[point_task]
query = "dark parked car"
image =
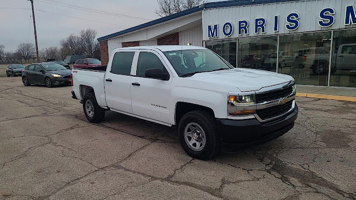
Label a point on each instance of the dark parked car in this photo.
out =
(87, 62)
(48, 74)
(62, 63)
(71, 59)
(14, 70)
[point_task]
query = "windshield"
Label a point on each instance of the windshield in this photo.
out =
(60, 62)
(53, 67)
(94, 61)
(191, 61)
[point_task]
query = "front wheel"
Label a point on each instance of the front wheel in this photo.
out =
(93, 112)
(197, 135)
(48, 82)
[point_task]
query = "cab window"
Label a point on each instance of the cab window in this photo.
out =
(146, 61)
(122, 63)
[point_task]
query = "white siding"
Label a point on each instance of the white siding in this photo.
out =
(113, 44)
(193, 36)
(148, 43)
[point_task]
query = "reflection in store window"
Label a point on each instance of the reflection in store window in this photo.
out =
(258, 53)
(344, 59)
(226, 49)
(305, 57)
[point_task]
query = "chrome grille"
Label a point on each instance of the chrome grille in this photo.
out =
(274, 94)
(274, 111)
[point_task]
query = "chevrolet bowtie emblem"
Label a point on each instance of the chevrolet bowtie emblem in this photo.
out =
(282, 100)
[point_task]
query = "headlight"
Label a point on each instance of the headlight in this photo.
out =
(56, 75)
(294, 87)
(241, 104)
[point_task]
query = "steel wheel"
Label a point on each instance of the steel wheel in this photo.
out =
(194, 136)
(89, 108)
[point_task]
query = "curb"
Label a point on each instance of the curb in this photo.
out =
(324, 96)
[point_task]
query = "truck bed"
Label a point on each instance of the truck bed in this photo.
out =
(90, 77)
(100, 68)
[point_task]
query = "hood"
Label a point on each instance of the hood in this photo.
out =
(245, 80)
(18, 70)
(61, 72)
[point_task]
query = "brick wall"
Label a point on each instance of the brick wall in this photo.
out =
(104, 52)
(131, 44)
(172, 39)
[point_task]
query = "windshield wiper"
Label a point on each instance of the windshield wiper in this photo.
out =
(190, 74)
(219, 69)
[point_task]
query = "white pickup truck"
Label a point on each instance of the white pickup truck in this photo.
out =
(212, 104)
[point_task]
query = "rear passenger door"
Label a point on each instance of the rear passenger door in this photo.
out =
(38, 75)
(118, 82)
(150, 97)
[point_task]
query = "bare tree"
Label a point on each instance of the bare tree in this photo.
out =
(26, 51)
(84, 44)
(50, 53)
(72, 45)
(88, 41)
(169, 7)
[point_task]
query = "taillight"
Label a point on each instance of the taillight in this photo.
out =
(71, 79)
(304, 58)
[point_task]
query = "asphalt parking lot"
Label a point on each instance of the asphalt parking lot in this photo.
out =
(48, 150)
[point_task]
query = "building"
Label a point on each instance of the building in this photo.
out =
(312, 40)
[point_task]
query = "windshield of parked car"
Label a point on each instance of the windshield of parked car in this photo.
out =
(16, 66)
(191, 61)
(60, 62)
(53, 67)
(94, 61)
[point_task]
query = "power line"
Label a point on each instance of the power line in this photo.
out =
(91, 10)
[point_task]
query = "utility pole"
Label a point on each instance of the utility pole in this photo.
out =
(34, 27)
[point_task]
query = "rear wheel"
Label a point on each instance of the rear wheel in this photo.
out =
(25, 81)
(93, 112)
(197, 135)
(48, 82)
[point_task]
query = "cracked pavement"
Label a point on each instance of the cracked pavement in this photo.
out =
(48, 150)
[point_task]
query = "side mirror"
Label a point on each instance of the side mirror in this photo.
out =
(157, 74)
(42, 71)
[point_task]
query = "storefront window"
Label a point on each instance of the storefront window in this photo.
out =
(226, 49)
(258, 53)
(305, 57)
(343, 69)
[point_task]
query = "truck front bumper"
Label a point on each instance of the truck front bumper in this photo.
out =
(239, 133)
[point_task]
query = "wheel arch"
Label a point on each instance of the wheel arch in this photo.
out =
(183, 107)
(84, 90)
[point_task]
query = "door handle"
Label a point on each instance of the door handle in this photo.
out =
(108, 80)
(136, 84)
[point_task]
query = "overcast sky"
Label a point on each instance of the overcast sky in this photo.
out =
(57, 19)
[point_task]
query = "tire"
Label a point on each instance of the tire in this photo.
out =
(319, 69)
(197, 135)
(7, 74)
(25, 81)
(48, 82)
(93, 112)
